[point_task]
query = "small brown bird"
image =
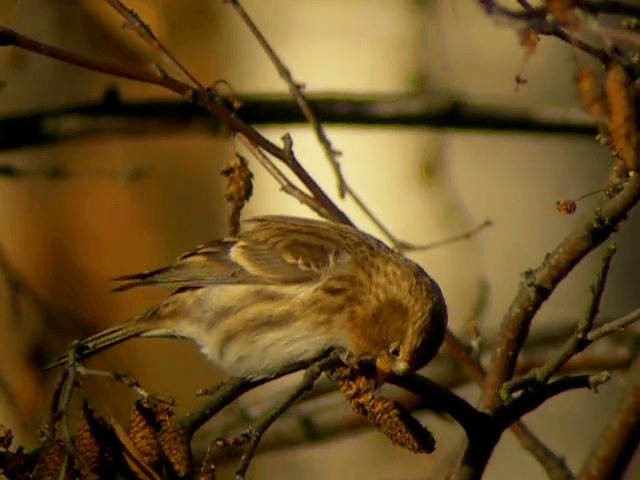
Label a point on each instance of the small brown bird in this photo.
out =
(287, 290)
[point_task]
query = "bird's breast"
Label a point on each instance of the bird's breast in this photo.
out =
(254, 330)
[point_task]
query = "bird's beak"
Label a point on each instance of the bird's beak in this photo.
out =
(400, 368)
(385, 369)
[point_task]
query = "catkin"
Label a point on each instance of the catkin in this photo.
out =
(622, 122)
(387, 416)
(52, 461)
(174, 443)
(143, 434)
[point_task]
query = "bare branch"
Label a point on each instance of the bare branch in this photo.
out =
(285, 184)
(621, 437)
(256, 433)
(575, 344)
(295, 89)
(614, 326)
(113, 116)
(543, 454)
(134, 21)
(538, 284)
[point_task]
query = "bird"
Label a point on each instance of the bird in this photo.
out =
(287, 290)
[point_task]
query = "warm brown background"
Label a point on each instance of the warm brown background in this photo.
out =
(66, 238)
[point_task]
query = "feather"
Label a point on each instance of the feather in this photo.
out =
(266, 253)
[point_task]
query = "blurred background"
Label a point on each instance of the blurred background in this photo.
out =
(62, 239)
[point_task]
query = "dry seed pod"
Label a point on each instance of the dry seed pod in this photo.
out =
(239, 188)
(239, 180)
(567, 207)
(95, 443)
(622, 120)
(529, 40)
(52, 461)
(17, 466)
(589, 88)
(131, 456)
(143, 433)
(6, 438)
(397, 423)
(387, 416)
(175, 444)
(564, 13)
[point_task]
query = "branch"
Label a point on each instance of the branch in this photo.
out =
(113, 116)
(620, 438)
(575, 344)
(542, 23)
(206, 99)
(143, 30)
(614, 326)
(225, 393)
(295, 89)
(256, 433)
(551, 462)
(538, 284)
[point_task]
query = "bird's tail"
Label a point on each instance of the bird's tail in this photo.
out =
(102, 340)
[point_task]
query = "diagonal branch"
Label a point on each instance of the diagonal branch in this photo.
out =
(538, 284)
(621, 437)
(575, 344)
(144, 31)
(206, 99)
(295, 89)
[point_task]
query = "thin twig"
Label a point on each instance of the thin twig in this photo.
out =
(614, 326)
(143, 30)
(610, 7)
(207, 99)
(448, 241)
(10, 37)
(122, 378)
(256, 433)
(621, 437)
(472, 323)
(331, 154)
(556, 467)
(524, 404)
(538, 20)
(295, 89)
(62, 402)
(228, 391)
(538, 284)
(543, 454)
(285, 184)
(575, 344)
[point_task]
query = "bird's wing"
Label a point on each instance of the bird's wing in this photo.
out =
(272, 250)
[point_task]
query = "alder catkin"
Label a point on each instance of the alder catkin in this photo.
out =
(143, 434)
(622, 121)
(387, 416)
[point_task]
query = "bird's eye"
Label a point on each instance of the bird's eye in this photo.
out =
(394, 350)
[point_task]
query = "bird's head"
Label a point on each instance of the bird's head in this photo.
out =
(403, 334)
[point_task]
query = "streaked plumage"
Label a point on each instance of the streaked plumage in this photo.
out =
(287, 290)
